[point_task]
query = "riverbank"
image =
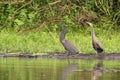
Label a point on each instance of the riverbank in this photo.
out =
(60, 55)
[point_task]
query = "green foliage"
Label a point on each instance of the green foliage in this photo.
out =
(110, 9)
(52, 12)
(39, 42)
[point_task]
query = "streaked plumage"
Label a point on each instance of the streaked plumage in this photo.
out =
(95, 42)
(71, 48)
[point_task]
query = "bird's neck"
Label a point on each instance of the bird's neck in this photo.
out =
(62, 35)
(93, 33)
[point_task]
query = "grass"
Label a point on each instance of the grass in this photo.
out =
(41, 42)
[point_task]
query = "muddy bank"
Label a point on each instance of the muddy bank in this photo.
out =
(60, 55)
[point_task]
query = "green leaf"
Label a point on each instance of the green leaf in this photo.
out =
(19, 22)
(31, 15)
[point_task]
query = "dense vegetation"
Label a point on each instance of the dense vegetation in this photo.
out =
(32, 25)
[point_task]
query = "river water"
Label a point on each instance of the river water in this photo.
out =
(58, 69)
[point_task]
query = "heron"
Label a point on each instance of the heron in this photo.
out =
(95, 42)
(68, 46)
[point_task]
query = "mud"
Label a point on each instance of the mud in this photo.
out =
(60, 55)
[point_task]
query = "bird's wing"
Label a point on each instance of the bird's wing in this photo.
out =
(70, 47)
(99, 44)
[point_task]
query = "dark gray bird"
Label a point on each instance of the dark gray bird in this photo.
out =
(71, 48)
(95, 42)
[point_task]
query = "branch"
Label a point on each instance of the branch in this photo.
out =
(39, 26)
(12, 2)
(54, 2)
(15, 12)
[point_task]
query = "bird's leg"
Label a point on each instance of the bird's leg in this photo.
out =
(75, 55)
(96, 54)
(66, 52)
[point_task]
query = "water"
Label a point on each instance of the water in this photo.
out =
(58, 69)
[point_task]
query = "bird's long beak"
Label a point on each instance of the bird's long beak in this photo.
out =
(90, 24)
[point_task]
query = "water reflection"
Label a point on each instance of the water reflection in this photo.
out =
(97, 70)
(69, 70)
(58, 69)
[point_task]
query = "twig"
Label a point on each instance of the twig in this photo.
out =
(13, 2)
(37, 27)
(54, 2)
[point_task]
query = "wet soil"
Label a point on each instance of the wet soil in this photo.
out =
(61, 55)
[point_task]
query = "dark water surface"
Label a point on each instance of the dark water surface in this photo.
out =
(58, 69)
